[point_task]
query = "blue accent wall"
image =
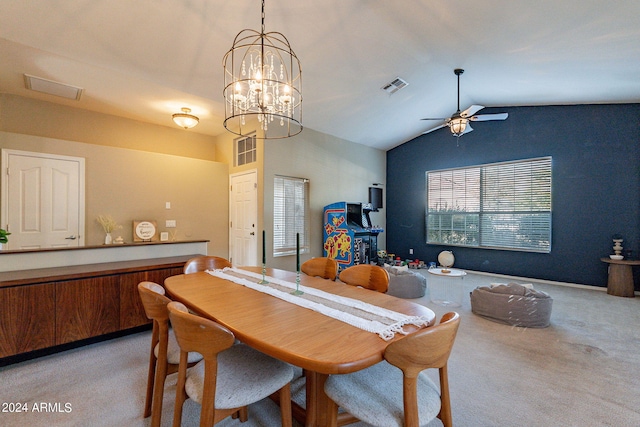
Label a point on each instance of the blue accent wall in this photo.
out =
(595, 153)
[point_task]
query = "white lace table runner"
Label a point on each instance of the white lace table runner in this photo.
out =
(369, 317)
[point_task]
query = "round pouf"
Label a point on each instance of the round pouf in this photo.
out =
(512, 304)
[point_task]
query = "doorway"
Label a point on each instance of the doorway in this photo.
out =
(43, 200)
(243, 218)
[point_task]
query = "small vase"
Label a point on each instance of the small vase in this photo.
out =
(107, 239)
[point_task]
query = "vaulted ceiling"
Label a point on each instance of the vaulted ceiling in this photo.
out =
(146, 59)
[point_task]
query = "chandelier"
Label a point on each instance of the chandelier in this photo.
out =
(262, 85)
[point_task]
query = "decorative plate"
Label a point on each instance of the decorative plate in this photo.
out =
(145, 231)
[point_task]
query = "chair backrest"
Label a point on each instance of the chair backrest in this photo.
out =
(427, 348)
(154, 301)
(197, 334)
(327, 268)
(366, 275)
(202, 263)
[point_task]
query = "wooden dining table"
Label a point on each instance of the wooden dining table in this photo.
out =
(319, 344)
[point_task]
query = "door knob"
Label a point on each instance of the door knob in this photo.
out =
(252, 233)
(70, 238)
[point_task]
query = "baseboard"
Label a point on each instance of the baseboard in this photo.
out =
(546, 282)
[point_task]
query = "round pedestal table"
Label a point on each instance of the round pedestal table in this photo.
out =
(620, 282)
(446, 286)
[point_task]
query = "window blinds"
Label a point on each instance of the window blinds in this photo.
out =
(290, 215)
(502, 205)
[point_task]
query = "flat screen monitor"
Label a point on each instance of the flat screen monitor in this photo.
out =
(375, 198)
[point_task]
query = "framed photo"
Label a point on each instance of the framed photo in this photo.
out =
(145, 231)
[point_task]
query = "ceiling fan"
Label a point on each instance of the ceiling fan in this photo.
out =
(459, 121)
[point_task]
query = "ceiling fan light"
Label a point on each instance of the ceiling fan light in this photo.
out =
(184, 119)
(458, 125)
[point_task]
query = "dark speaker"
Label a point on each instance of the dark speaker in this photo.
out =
(375, 198)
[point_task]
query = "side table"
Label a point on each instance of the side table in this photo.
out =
(620, 282)
(446, 288)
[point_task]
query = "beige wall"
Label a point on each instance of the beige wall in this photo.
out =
(338, 171)
(130, 184)
(34, 117)
(133, 168)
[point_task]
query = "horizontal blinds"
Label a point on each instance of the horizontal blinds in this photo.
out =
(516, 205)
(290, 215)
(503, 205)
(456, 190)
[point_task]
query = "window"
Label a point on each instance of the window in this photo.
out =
(245, 149)
(501, 205)
(290, 215)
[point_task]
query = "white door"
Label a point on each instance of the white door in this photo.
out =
(43, 200)
(243, 218)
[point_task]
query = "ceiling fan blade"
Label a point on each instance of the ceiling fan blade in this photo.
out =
(435, 128)
(487, 117)
(471, 110)
(467, 129)
(439, 118)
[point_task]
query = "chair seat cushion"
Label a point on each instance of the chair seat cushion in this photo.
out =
(173, 351)
(245, 376)
(374, 395)
(512, 304)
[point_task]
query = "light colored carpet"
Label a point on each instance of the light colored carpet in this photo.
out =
(583, 370)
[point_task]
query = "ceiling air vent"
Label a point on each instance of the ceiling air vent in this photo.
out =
(52, 88)
(394, 86)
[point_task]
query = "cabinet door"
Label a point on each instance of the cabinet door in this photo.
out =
(27, 318)
(131, 310)
(87, 308)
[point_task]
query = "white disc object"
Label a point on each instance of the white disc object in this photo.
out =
(446, 258)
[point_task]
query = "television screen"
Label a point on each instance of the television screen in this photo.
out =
(375, 198)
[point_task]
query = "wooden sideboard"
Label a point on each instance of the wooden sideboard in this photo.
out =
(44, 308)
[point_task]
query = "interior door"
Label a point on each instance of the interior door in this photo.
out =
(43, 200)
(243, 217)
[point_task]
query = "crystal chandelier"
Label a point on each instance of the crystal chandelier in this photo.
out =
(262, 85)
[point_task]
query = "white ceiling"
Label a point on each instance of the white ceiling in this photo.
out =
(145, 59)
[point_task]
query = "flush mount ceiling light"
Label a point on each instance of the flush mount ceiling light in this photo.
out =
(184, 119)
(262, 85)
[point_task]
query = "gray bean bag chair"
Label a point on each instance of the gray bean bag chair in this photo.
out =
(404, 283)
(512, 304)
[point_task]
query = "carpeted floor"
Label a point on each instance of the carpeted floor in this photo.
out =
(583, 370)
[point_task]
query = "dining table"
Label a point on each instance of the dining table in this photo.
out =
(318, 343)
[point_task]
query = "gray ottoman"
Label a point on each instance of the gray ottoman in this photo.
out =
(404, 283)
(512, 304)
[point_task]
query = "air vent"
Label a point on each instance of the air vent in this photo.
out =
(52, 88)
(394, 86)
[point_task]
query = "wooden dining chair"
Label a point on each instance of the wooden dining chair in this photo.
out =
(164, 356)
(368, 276)
(230, 376)
(327, 268)
(383, 396)
(205, 262)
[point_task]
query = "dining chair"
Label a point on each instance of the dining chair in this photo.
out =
(230, 376)
(205, 262)
(324, 267)
(164, 356)
(384, 396)
(368, 276)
